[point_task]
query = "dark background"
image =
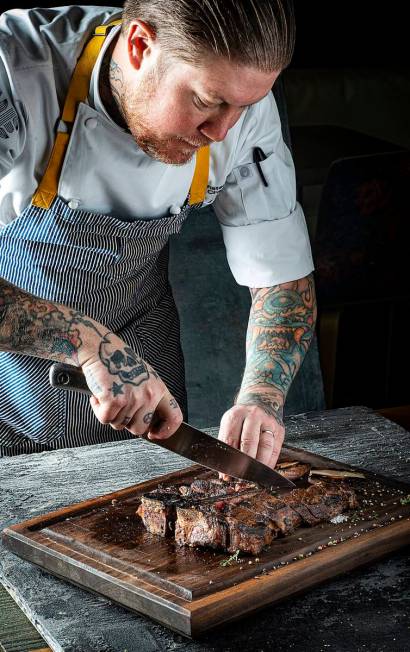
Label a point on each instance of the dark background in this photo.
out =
(334, 33)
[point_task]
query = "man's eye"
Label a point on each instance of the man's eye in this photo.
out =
(200, 104)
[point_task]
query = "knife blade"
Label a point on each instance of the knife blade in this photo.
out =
(189, 442)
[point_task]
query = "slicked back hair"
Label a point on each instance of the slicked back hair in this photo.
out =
(254, 33)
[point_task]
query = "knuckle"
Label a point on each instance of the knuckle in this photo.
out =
(232, 417)
(248, 439)
(104, 417)
(121, 402)
(253, 410)
(174, 421)
(149, 394)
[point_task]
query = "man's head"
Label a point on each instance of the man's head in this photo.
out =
(188, 68)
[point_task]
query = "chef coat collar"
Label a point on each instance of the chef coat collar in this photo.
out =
(94, 97)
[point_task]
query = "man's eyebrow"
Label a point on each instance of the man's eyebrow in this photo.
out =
(215, 99)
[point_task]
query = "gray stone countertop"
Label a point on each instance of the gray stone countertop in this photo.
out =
(366, 609)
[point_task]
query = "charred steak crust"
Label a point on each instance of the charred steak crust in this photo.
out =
(239, 516)
(158, 508)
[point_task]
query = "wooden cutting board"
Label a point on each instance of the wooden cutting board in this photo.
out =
(102, 546)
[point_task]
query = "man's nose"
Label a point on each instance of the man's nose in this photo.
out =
(217, 127)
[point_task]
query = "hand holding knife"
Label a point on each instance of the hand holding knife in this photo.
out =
(189, 442)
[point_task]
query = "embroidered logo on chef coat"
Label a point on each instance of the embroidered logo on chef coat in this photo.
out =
(8, 117)
(211, 193)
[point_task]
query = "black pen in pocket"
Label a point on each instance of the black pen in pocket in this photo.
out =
(258, 156)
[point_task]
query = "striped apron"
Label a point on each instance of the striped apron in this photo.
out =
(113, 270)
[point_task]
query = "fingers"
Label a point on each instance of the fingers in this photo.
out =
(167, 419)
(112, 412)
(266, 446)
(254, 432)
(231, 427)
(277, 446)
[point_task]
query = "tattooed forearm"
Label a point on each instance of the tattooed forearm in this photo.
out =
(40, 328)
(281, 326)
(44, 329)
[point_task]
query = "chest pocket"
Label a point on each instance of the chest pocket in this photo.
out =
(258, 202)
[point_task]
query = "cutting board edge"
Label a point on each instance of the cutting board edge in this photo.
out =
(227, 605)
(207, 612)
(48, 559)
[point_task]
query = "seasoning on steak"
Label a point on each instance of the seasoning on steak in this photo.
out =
(158, 507)
(215, 487)
(240, 516)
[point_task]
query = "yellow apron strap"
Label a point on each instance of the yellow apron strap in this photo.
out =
(200, 178)
(77, 92)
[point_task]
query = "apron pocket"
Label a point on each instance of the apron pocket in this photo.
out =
(29, 406)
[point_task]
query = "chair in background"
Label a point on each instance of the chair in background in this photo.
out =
(362, 255)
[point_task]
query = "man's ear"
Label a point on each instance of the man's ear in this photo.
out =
(140, 39)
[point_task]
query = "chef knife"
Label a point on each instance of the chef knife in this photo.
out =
(190, 442)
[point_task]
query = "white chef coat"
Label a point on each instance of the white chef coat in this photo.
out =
(264, 229)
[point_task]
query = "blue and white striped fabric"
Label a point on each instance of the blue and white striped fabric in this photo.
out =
(112, 270)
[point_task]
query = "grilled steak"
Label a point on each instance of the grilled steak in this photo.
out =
(158, 510)
(293, 470)
(237, 515)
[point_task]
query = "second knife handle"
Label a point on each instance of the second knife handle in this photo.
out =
(65, 376)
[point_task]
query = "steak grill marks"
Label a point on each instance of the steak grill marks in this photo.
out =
(238, 515)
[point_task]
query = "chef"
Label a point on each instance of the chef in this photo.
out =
(114, 127)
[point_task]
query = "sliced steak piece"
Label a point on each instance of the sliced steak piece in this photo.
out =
(200, 526)
(216, 487)
(293, 471)
(296, 500)
(226, 523)
(285, 518)
(350, 495)
(249, 532)
(158, 510)
(325, 502)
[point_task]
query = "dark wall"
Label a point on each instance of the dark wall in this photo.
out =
(350, 34)
(334, 34)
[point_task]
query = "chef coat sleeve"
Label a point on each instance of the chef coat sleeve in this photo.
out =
(12, 125)
(264, 228)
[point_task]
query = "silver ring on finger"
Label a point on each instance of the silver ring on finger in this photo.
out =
(126, 421)
(269, 431)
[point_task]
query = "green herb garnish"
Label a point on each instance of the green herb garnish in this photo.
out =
(230, 560)
(405, 500)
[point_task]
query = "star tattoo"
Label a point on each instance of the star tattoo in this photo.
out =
(117, 389)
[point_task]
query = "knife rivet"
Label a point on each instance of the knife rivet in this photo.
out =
(63, 378)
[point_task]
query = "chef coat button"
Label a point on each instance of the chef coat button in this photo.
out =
(73, 203)
(91, 123)
(175, 210)
(244, 171)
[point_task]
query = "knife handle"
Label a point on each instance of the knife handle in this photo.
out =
(65, 376)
